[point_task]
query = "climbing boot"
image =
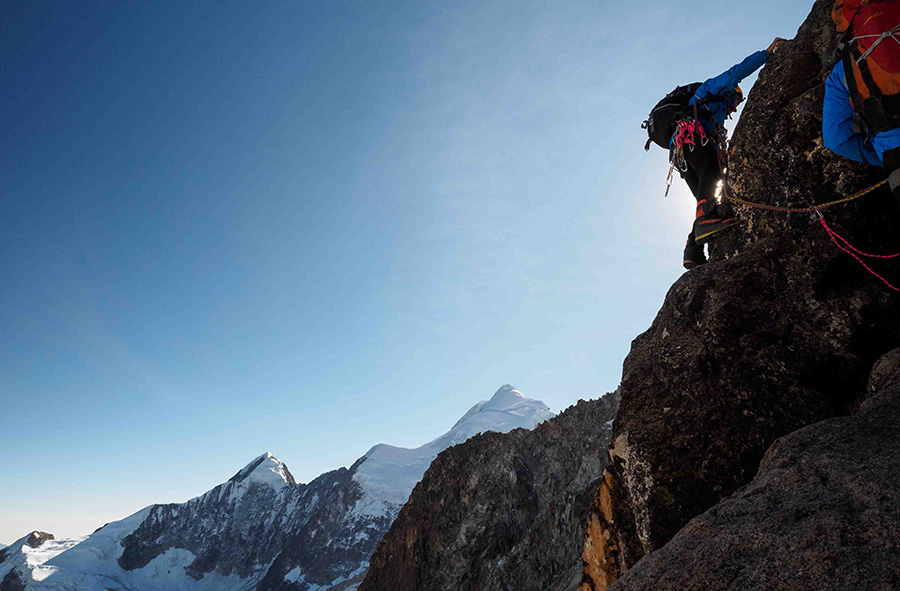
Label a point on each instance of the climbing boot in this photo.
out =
(707, 222)
(693, 253)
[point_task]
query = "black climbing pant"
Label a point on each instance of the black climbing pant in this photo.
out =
(702, 175)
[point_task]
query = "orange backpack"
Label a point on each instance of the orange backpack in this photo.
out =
(869, 44)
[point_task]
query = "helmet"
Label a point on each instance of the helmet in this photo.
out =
(738, 99)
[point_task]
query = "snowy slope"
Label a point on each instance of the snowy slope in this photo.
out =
(390, 473)
(260, 530)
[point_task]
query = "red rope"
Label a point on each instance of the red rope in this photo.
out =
(852, 251)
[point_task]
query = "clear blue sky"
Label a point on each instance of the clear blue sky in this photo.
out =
(310, 227)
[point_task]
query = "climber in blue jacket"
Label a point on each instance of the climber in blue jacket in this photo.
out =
(696, 149)
(723, 92)
(882, 149)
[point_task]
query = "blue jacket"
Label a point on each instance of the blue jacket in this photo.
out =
(724, 85)
(837, 125)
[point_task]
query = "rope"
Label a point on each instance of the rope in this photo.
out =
(812, 208)
(835, 237)
(853, 248)
(853, 251)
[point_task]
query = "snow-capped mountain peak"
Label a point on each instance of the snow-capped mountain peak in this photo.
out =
(507, 396)
(259, 531)
(266, 469)
(390, 472)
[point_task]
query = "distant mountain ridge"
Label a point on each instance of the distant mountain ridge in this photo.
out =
(260, 529)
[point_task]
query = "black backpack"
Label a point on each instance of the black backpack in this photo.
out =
(660, 125)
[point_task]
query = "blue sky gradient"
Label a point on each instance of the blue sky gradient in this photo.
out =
(310, 227)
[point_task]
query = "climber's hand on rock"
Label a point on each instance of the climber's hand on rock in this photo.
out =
(776, 45)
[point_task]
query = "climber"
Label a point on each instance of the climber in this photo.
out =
(861, 112)
(689, 122)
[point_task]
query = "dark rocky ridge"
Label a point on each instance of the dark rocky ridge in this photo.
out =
(38, 537)
(778, 332)
(500, 511)
(235, 531)
(822, 514)
(12, 582)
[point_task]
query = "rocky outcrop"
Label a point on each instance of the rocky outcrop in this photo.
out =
(12, 582)
(501, 511)
(778, 332)
(822, 514)
(38, 537)
(269, 522)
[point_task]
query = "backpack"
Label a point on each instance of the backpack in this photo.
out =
(869, 48)
(664, 117)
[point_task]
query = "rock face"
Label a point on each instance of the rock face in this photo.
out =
(778, 332)
(822, 514)
(242, 526)
(12, 582)
(36, 538)
(501, 511)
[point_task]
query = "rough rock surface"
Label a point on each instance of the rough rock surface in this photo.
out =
(12, 582)
(501, 511)
(241, 526)
(778, 332)
(38, 537)
(822, 514)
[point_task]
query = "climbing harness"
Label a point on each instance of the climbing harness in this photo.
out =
(687, 129)
(685, 132)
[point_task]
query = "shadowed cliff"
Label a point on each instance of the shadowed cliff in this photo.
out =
(823, 512)
(778, 332)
